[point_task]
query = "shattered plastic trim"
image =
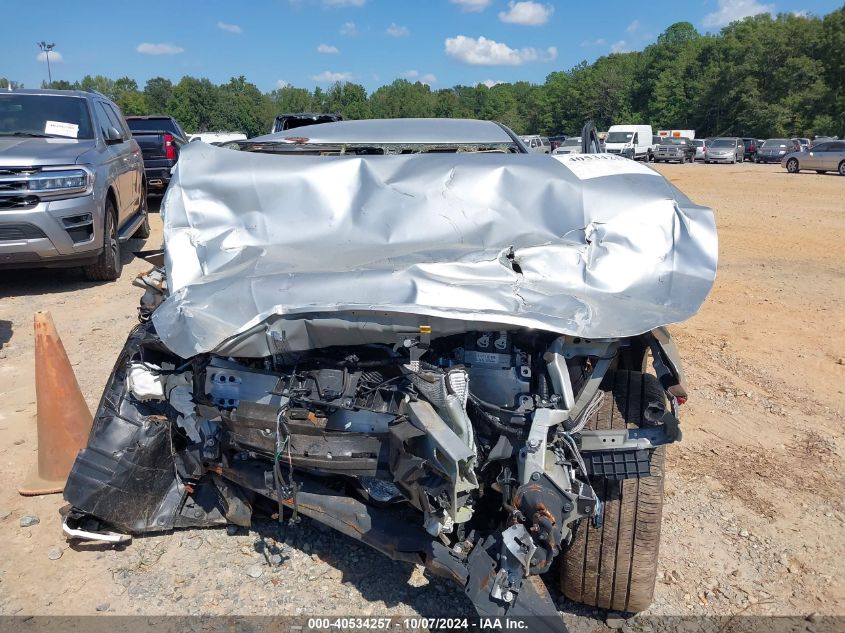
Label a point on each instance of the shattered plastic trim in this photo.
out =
(269, 253)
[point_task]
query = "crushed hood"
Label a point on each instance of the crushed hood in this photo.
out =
(269, 253)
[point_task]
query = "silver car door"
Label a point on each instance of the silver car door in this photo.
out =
(134, 163)
(813, 158)
(112, 159)
(832, 156)
(124, 168)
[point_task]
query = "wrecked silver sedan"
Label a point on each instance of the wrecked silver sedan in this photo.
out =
(421, 336)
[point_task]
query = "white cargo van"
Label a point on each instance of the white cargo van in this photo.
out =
(631, 141)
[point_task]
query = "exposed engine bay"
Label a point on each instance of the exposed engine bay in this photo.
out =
(466, 452)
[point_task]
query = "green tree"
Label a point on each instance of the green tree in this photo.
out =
(58, 84)
(195, 104)
(241, 107)
(348, 99)
(157, 93)
(291, 99)
(103, 85)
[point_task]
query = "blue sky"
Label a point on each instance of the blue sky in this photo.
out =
(372, 42)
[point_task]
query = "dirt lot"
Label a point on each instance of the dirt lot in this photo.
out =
(754, 508)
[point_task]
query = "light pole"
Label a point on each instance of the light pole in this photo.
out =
(46, 48)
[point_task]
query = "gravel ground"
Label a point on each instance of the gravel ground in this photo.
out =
(753, 522)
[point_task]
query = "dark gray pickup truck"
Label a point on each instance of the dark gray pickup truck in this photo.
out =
(160, 138)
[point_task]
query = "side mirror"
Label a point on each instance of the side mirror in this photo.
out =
(113, 136)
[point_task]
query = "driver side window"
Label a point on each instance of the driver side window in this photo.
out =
(101, 118)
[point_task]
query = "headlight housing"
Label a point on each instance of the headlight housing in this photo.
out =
(61, 181)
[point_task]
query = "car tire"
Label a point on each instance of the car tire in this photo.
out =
(615, 566)
(841, 169)
(108, 265)
(792, 166)
(143, 231)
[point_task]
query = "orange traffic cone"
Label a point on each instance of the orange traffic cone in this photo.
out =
(64, 420)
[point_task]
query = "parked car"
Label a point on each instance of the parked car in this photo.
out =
(72, 185)
(725, 149)
(750, 151)
(805, 143)
(699, 148)
(294, 120)
(630, 141)
(455, 388)
(773, 150)
(556, 141)
(161, 139)
(537, 144)
(674, 149)
(822, 157)
(571, 145)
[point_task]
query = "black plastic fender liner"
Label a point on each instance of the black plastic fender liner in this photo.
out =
(127, 476)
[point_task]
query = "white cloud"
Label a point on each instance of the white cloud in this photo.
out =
(527, 13)
(619, 47)
(425, 78)
(633, 26)
(472, 6)
(492, 82)
(348, 28)
(484, 52)
(327, 49)
(394, 30)
(599, 42)
(328, 76)
(800, 14)
(344, 3)
(55, 57)
(229, 28)
(732, 10)
(146, 48)
(281, 83)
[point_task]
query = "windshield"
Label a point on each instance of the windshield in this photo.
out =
(672, 141)
(619, 137)
(44, 116)
(776, 143)
(698, 143)
(723, 142)
(571, 142)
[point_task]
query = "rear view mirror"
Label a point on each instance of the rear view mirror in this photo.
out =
(113, 136)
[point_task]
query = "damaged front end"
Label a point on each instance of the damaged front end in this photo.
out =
(415, 388)
(464, 453)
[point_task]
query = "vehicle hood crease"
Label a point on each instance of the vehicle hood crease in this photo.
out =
(313, 246)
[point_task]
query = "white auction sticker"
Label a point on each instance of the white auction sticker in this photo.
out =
(594, 165)
(70, 130)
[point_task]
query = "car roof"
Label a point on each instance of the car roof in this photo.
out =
(397, 131)
(56, 93)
